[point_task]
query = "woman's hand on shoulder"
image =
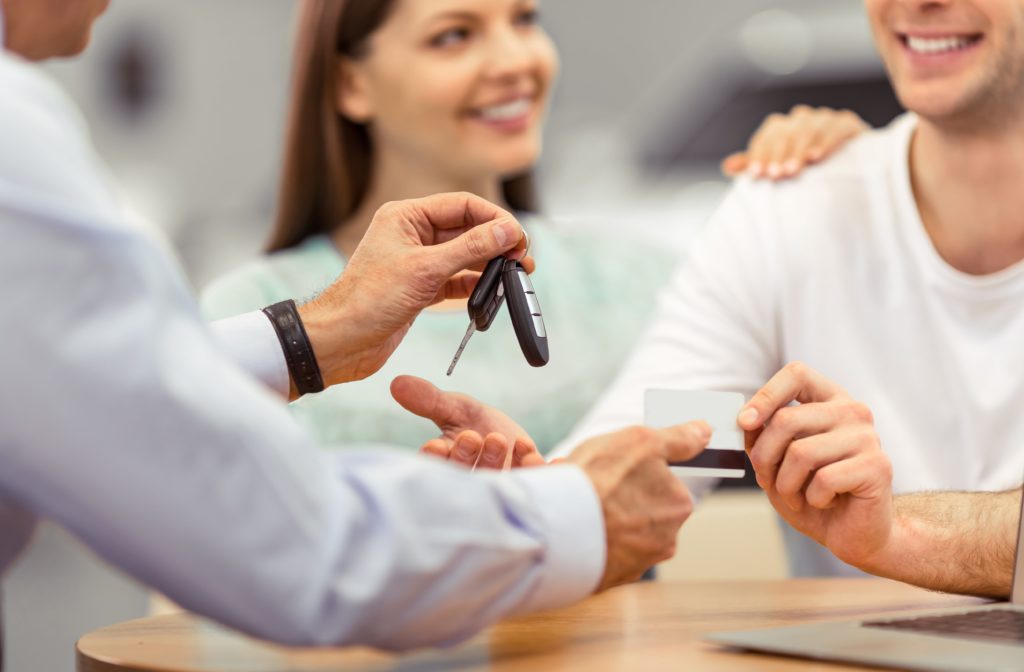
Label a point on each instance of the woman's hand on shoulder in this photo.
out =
(786, 144)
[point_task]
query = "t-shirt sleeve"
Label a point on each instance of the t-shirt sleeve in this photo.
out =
(717, 322)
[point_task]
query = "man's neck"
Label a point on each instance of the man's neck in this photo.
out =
(969, 188)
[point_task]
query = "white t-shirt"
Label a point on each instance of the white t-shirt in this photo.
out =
(836, 269)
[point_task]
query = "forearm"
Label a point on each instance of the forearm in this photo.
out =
(955, 542)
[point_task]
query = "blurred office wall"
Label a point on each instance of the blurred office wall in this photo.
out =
(186, 101)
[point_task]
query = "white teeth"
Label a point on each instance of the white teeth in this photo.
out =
(938, 45)
(512, 110)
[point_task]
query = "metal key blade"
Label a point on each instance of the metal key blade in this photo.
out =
(462, 346)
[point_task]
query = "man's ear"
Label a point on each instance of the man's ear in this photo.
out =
(353, 99)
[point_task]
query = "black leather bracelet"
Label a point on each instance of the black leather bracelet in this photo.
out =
(298, 351)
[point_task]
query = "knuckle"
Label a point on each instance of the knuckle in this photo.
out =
(885, 466)
(860, 412)
(785, 419)
(826, 480)
(763, 399)
(798, 370)
(869, 441)
(641, 436)
(475, 243)
(849, 116)
(390, 208)
(681, 496)
(801, 110)
(800, 455)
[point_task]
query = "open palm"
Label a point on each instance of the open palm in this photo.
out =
(472, 433)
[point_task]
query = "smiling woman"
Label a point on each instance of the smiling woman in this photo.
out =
(397, 99)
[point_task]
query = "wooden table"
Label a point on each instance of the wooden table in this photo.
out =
(651, 626)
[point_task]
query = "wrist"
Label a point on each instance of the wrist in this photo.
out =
(328, 331)
(889, 559)
(303, 369)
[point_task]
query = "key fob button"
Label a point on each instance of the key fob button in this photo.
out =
(524, 281)
(538, 326)
(531, 301)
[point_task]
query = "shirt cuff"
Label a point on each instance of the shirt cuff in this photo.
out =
(252, 343)
(574, 529)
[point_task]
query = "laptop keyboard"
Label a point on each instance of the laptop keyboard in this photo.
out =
(1002, 625)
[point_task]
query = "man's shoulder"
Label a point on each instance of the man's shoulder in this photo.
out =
(34, 107)
(826, 197)
(48, 158)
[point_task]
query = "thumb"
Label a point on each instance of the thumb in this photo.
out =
(479, 245)
(684, 442)
(421, 397)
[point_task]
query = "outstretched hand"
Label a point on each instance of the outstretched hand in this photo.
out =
(472, 433)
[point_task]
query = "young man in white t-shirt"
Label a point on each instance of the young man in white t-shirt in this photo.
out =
(893, 269)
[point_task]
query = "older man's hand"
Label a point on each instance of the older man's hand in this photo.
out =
(414, 254)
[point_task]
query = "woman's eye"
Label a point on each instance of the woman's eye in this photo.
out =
(450, 37)
(528, 17)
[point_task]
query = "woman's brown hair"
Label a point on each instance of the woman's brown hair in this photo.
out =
(328, 158)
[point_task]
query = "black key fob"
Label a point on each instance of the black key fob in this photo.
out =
(524, 309)
(488, 295)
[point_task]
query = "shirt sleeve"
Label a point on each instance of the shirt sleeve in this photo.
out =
(123, 421)
(250, 341)
(716, 326)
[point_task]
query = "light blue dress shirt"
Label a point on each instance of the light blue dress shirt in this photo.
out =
(124, 418)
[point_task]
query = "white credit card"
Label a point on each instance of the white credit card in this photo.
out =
(724, 456)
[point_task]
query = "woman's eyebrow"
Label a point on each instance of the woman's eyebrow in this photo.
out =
(452, 14)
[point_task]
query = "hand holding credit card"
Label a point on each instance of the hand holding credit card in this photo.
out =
(725, 456)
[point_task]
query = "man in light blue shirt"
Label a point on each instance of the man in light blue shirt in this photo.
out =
(165, 445)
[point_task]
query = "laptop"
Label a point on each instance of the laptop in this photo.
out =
(984, 638)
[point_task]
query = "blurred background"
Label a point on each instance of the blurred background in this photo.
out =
(186, 102)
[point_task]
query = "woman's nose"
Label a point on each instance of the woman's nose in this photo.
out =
(510, 54)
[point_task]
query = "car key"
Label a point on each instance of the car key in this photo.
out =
(524, 309)
(484, 302)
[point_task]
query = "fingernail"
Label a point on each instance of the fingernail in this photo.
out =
(774, 170)
(491, 454)
(792, 167)
(463, 451)
(815, 154)
(703, 431)
(505, 232)
(748, 416)
(756, 168)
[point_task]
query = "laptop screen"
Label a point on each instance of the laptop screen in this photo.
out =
(1018, 571)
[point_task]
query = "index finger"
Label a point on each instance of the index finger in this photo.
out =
(458, 210)
(795, 382)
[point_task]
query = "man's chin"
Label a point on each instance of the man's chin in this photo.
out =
(938, 104)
